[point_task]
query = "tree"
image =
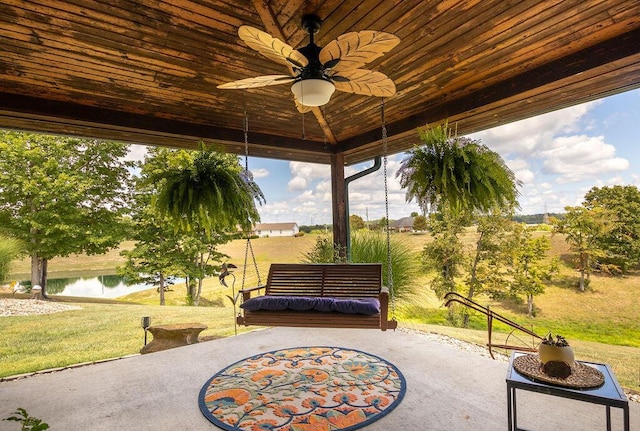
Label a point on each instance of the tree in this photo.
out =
(152, 260)
(205, 195)
(445, 254)
(420, 223)
(582, 228)
(529, 271)
(487, 269)
(621, 242)
(60, 196)
(356, 222)
(457, 173)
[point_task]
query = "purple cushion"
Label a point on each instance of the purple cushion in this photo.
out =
(356, 306)
(275, 303)
(324, 304)
(304, 303)
(301, 303)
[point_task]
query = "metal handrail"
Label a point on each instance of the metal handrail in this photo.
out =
(452, 297)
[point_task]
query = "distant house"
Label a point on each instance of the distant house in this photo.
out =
(276, 229)
(405, 224)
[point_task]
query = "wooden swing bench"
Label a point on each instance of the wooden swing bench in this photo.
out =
(319, 295)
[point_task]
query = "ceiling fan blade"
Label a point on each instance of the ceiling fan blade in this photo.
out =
(258, 81)
(365, 82)
(271, 47)
(356, 49)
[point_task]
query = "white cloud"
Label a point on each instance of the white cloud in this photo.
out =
(526, 137)
(520, 168)
(260, 173)
(137, 152)
(310, 171)
(579, 157)
(297, 184)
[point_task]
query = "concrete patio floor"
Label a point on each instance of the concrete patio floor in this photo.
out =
(447, 388)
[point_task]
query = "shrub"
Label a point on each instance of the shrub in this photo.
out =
(371, 247)
(9, 250)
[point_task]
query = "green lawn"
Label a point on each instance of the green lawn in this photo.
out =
(603, 323)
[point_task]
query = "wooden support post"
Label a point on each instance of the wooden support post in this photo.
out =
(340, 219)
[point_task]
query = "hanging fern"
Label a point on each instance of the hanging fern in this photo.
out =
(208, 189)
(456, 172)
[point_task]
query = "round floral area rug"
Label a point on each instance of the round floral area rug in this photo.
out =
(303, 389)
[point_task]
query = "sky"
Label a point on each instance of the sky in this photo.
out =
(558, 157)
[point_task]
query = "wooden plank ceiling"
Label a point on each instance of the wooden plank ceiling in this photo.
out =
(146, 71)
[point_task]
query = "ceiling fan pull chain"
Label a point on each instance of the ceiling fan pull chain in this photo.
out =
(324, 133)
(304, 136)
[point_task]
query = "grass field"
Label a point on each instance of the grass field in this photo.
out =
(602, 324)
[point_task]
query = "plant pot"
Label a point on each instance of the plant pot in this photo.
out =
(547, 352)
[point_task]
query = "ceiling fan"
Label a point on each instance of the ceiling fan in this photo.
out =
(317, 72)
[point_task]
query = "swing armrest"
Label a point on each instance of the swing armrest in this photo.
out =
(383, 297)
(246, 293)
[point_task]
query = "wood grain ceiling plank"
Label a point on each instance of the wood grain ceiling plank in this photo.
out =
(183, 43)
(437, 54)
(104, 85)
(473, 72)
(525, 59)
(89, 51)
(342, 19)
(65, 34)
(296, 36)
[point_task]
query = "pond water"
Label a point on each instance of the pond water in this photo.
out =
(102, 286)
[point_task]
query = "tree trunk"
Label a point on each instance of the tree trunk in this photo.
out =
(530, 304)
(39, 276)
(583, 268)
(197, 301)
(473, 280)
(190, 289)
(161, 282)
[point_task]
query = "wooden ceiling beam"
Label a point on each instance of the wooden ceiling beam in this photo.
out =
(273, 28)
(66, 117)
(601, 54)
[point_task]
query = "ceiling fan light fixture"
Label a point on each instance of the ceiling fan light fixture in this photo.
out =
(313, 92)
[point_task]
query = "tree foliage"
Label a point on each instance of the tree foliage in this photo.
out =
(621, 241)
(486, 271)
(457, 173)
(62, 195)
(445, 254)
(356, 222)
(420, 223)
(582, 229)
(529, 270)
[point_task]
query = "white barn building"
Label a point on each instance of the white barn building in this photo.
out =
(276, 229)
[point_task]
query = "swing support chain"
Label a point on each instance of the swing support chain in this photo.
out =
(386, 208)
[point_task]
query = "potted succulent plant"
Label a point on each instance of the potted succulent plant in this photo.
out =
(555, 349)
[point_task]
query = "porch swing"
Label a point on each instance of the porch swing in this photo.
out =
(335, 295)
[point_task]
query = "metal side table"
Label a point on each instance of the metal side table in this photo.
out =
(610, 394)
